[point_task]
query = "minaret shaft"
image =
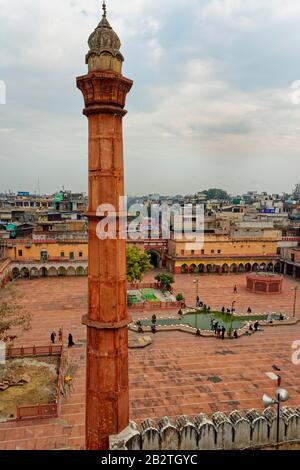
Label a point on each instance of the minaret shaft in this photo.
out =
(107, 390)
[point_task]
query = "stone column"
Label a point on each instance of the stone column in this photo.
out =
(284, 268)
(107, 394)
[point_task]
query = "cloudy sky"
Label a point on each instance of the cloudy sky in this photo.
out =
(212, 103)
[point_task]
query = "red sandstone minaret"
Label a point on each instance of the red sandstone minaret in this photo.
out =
(104, 89)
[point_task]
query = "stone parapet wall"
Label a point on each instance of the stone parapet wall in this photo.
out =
(235, 431)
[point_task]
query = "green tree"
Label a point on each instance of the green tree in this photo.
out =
(165, 280)
(13, 316)
(180, 297)
(219, 194)
(137, 263)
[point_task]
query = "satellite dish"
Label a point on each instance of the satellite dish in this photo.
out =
(282, 394)
(267, 401)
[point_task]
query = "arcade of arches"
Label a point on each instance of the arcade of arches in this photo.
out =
(225, 268)
(36, 272)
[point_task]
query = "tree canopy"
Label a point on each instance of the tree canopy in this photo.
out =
(137, 263)
(219, 194)
(165, 280)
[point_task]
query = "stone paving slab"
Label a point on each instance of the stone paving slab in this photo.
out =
(176, 374)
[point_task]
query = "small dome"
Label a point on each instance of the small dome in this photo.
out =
(104, 41)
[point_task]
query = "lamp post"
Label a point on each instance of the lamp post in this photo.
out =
(196, 281)
(231, 320)
(295, 289)
(281, 396)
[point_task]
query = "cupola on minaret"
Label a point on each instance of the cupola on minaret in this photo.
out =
(105, 45)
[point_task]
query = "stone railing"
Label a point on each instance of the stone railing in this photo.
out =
(220, 431)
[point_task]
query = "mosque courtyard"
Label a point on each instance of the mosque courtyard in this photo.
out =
(178, 373)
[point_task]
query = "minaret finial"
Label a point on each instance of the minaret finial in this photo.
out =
(104, 8)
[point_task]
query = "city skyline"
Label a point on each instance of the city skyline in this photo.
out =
(223, 70)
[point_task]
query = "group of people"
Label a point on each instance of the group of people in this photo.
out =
(216, 327)
(254, 327)
(227, 310)
(232, 310)
(221, 330)
(60, 338)
(153, 325)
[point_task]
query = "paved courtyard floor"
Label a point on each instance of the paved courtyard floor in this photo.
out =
(177, 374)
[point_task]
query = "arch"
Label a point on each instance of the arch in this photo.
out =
(184, 268)
(34, 272)
(52, 272)
(270, 267)
(80, 271)
(154, 258)
(71, 271)
(193, 268)
(201, 268)
(241, 268)
(16, 273)
(263, 267)
(234, 268)
(24, 273)
(216, 268)
(225, 268)
(255, 267)
(62, 271)
(248, 267)
(43, 272)
(277, 267)
(209, 268)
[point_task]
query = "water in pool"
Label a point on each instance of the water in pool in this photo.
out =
(203, 320)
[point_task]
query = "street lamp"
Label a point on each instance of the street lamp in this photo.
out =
(232, 309)
(295, 289)
(196, 281)
(281, 396)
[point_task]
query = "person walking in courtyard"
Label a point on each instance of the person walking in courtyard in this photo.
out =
(154, 319)
(223, 332)
(52, 337)
(180, 312)
(218, 332)
(249, 310)
(235, 290)
(223, 309)
(70, 341)
(235, 334)
(153, 328)
(256, 325)
(198, 333)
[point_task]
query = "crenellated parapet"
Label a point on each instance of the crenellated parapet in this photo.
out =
(236, 431)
